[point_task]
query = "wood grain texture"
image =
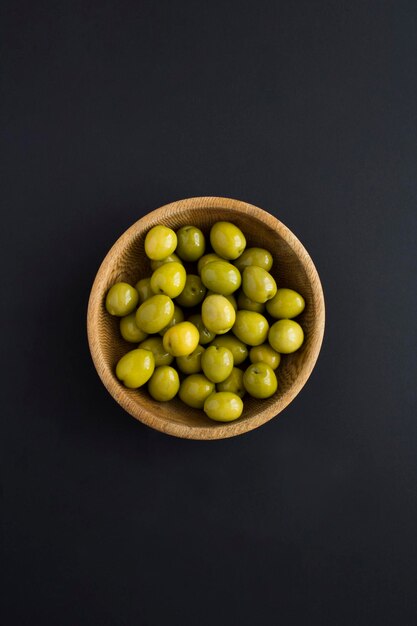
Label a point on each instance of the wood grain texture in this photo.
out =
(126, 261)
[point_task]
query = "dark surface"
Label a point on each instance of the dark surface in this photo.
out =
(307, 109)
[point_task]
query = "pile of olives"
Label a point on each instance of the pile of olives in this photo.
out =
(211, 312)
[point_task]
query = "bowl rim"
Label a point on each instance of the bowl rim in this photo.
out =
(221, 430)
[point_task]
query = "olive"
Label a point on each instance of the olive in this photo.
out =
(155, 345)
(193, 292)
(121, 299)
(260, 380)
(223, 406)
(243, 302)
(217, 363)
(286, 303)
(191, 364)
(254, 256)
(191, 243)
(218, 314)
(155, 313)
(221, 277)
(232, 343)
(286, 336)
(205, 335)
(233, 383)
(160, 242)
(266, 354)
(195, 389)
(251, 327)
(129, 329)
(135, 368)
(258, 284)
(143, 287)
(169, 279)
(181, 339)
(227, 240)
(164, 383)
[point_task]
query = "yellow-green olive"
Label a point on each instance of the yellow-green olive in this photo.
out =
(233, 383)
(155, 313)
(164, 383)
(286, 336)
(195, 389)
(286, 303)
(169, 279)
(232, 343)
(135, 368)
(160, 242)
(191, 364)
(265, 354)
(121, 299)
(193, 292)
(223, 406)
(181, 339)
(129, 329)
(217, 363)
(227, 240)
(251, 327)
(143, 287)
(218, 314)
(221, 277)
(254, 256)
(176, 319)
(243, 302)
(191, 243)
(260, 380)
(258, 284)
(154, 344)
(229, 297)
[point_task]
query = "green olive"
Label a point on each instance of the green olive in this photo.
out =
(286, 303)
(218, 314)
(207, 258)
(191, 364)
(258, 284)
(181, 339)
(143, 287)
(193, 292)
(223, 406)
(243, 302)
(227, 240)
(155, 313)
(121, 299)
(265, 354)
(195, 389)
(176, 319)
(251, 327)
(260, 380)
(169, 279)
(229, 297)
(205, 335)
(135, 368)
(155, 345)
(217, 363)
(160, 242)
(191, 243)
(232, 343)
(172, 258)
(164, 383)
(254, 256)
(233, 383)
(129, 329)
(286, 336)
(221, 277)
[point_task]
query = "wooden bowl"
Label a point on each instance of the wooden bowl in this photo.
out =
(126, 261)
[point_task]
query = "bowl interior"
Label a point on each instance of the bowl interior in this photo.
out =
(127, 261)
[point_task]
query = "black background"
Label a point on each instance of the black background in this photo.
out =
(307, 109)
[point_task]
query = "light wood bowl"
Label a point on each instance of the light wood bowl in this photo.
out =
(126, 261)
